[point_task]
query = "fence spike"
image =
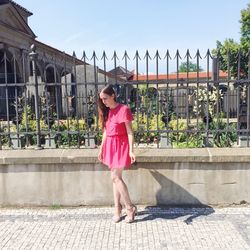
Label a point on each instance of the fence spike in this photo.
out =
(84, 56)
(188, 56)
(167, 55)
(157, 55)
(115, 57)
(137, 55)
(125, 55)
(104, 56)
(208, 54)
(94, 56)
(177, 55)
(198, 55)
(147, 55)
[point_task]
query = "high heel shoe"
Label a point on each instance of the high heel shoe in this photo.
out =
(131, 212)
(117, 218)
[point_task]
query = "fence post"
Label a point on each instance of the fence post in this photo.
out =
(33, 57)
(215, 70)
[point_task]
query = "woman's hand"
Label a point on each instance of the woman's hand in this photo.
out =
(100, 155)
(132, 157)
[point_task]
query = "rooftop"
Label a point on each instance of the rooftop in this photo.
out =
(15, 4)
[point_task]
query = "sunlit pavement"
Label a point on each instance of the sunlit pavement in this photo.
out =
(154, 228)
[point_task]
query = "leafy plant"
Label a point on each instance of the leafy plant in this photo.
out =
(206, 100)
(55, 206)
(191, 67)
(180, 138)
(229, 50)
(144, 130)
(70, 131)
(224, 135)
(139, 126)
(3, 138)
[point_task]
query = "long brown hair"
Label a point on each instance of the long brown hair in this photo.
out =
(103, 111)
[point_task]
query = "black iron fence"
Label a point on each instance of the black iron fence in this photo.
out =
(45, 105)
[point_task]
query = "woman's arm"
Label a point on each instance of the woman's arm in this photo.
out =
(100, 156)
(130, 140)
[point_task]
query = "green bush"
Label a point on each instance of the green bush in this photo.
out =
(227, 134)
(70, 132)
(27, 125)
(4, 138)
(145, 133)
(180, 138)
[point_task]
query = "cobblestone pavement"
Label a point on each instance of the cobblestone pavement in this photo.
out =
(154, 228)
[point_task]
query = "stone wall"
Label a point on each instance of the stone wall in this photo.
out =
(73, 177)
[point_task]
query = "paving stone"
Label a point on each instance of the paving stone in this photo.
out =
(154, 228)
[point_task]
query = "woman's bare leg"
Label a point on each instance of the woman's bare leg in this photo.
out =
(117, 203)
(120, 187)
(117, 196)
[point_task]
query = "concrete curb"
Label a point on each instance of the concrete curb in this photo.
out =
(57, 156)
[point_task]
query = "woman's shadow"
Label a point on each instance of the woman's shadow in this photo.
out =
(172, 193)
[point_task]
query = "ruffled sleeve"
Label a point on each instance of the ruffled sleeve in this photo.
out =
(126, 114)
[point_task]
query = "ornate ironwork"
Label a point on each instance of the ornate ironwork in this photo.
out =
(62, 99)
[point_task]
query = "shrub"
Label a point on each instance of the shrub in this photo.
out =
(224, 135)
(180, 138)
(146, 133)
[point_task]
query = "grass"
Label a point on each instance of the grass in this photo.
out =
(55, 206)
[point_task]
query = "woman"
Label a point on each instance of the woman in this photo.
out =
(116, 149)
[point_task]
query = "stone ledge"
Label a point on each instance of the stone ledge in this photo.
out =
(55, 156)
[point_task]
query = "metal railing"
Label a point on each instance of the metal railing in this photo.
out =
(183, 109)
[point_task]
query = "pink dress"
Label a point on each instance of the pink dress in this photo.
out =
(116, 145)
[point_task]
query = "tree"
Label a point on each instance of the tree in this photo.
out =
(192, 67)
(230, 53)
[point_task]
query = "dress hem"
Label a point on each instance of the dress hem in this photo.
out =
(117, 167)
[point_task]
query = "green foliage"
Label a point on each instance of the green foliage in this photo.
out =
(28, 125)
(224, 135)
(70, 124)
(145, 132)
(70, 131)
(55, 206)
(3, 138)
(245, 27)
(153, 136)
(28, 122)
(227, 136)
(183, 139)
(139, 127)
(73, 132)
(29, 118)
(227, 51)
(206, 100)
(98, 138)
(191, 67)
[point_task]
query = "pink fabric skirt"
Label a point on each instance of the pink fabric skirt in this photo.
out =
(116, 152)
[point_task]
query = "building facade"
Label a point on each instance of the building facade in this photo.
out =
(52, 65)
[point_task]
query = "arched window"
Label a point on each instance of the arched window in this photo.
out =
(38, 72)
(5, 67)
(9, 74)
